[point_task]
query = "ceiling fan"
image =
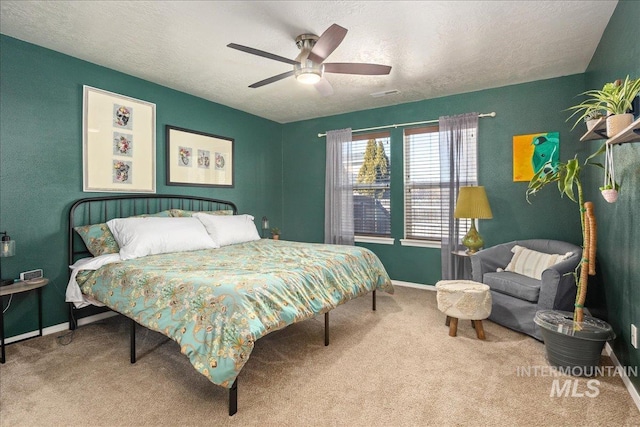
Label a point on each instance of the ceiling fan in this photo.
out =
(309, 66)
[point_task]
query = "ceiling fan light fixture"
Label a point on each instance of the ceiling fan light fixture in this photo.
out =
(309, 66)
(309, 73)
(308, 78)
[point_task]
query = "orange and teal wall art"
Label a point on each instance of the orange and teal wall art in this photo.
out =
(534, 152)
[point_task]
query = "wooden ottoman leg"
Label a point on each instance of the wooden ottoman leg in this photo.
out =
(453, 327)
(446, 322)
(479, 329)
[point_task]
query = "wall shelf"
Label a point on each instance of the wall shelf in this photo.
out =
(598, 131)
(630, 134)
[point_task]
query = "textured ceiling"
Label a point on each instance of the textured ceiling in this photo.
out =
(436, 48)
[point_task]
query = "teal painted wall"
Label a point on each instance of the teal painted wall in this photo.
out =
(521, 109)
(280, 168)
(41, 160)
(618, 55)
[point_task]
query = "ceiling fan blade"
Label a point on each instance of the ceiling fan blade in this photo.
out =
(324, 87)
(327, 43)
(262, 53)
(356, 68)
(272, 79)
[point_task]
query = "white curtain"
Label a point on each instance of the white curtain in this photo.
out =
(338, 210)
(453, 132)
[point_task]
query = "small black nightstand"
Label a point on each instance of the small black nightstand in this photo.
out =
(17, 288)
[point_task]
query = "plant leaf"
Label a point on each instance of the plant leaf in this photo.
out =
(573, 169)
(601, 150)
(600, 165)
(540, 179)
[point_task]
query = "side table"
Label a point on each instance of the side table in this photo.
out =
(466, 264)
(17, 288)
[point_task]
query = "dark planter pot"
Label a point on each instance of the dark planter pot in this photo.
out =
(576, 350)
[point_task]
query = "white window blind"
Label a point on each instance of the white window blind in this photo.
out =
(424, 187)
(371, 169)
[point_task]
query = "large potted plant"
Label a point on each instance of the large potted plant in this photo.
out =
(573, 340)
(615, 99)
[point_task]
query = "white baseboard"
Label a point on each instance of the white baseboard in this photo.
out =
(623, 374)
(61, 327)
(413, 285)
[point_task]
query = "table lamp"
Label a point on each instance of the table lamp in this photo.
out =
(472, 203)
(7, 249)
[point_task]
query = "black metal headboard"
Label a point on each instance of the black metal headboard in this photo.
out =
(96, 210)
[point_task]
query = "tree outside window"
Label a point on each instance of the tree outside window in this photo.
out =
(371, 195)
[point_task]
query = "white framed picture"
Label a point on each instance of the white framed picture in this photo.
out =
(118, 143)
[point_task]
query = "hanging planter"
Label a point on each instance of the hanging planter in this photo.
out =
(610, 195)
(610, 187)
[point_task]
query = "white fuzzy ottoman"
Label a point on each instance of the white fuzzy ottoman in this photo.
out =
(464, 299)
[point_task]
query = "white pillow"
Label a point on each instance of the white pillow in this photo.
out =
(229, 230)
(140, 237)
(532, 263)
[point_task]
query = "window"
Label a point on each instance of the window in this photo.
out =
(423, 187)
(371, 169)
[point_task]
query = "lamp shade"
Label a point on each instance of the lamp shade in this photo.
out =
(472, 203)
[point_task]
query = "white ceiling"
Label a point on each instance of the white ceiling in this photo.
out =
(436, 48)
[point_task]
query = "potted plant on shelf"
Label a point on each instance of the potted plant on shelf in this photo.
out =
(615, 99)
(573, 341)
(275, 233)
(592, 118)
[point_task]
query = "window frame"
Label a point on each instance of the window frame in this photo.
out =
(374, 237)
(429, 241)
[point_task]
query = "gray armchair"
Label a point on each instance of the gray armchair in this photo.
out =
(516, 298)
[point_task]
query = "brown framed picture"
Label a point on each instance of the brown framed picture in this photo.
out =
(198, 159)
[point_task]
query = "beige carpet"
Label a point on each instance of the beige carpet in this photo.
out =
(396, 366)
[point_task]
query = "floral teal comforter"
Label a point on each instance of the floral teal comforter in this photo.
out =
(216, 303)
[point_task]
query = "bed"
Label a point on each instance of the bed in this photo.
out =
(215, 302)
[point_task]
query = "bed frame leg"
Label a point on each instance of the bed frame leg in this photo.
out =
(72, 320)
(233, 398)
(374, 300)
(326, 329)
(133, 341)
